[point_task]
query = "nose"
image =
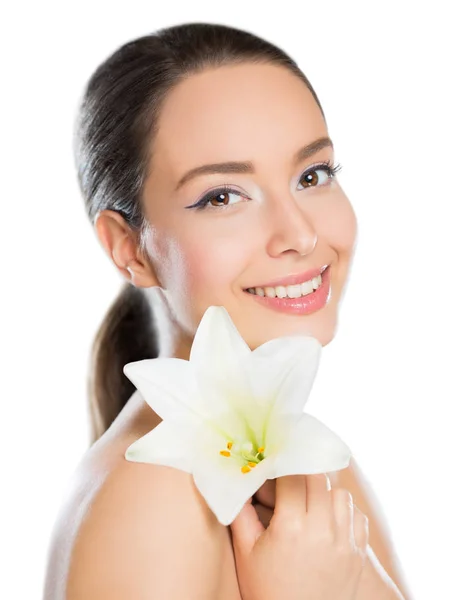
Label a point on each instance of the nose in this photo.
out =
(291, 230)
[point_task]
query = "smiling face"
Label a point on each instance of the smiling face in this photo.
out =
(280, 220)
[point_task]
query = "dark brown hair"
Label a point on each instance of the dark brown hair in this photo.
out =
(117, 119)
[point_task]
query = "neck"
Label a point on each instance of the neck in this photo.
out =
(173, 342)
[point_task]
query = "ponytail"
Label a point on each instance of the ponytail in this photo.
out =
(128, 333)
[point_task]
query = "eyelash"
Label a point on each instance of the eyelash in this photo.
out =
(330, 169)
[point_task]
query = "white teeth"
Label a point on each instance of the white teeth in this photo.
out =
(294, 291)
(307, 287)
(289, 291)
(281, 292)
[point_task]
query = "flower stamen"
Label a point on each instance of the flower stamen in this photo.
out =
(245, 455)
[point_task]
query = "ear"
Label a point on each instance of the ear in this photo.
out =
(121, 245)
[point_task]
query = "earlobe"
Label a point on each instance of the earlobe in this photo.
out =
(141, 274)
(121, 246)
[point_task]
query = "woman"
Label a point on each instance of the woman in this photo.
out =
(166, 125)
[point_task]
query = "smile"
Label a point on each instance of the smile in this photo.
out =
(289, 291)
(303, 298)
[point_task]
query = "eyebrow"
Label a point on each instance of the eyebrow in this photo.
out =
(247, 166)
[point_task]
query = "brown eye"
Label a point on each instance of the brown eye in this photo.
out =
(220, 199)
(311, 178)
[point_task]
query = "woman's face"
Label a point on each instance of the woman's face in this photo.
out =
(279, 220)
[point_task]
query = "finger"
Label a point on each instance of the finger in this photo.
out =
(344, 516)
(319, 505)
(361, 528)
(290, 496)
(267, 493)
(264, 513)
(246, 528)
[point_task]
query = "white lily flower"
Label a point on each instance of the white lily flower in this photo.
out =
(233, 417)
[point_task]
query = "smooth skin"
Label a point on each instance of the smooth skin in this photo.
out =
(275, 224)
(313, 549)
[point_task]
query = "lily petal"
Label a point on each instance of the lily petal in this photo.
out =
(169, 386)
(218, 355)
(168, 444)
(279, 429)
(224, 486)
(284, 348)
(310, 449)
(276, 376)
(227, 493)
(217, 337)
(284, 369)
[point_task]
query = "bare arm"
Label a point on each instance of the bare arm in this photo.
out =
(375, 583)
(383, 564)
(147, 535)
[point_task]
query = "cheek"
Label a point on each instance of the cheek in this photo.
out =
(212, 263)
(202, 270)
(339, 228)
(338, 225)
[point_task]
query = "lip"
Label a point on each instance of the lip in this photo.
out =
(303, 305)
(293, 279)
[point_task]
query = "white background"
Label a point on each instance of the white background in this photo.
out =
(390, 77)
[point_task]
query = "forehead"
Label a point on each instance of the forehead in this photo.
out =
(240, 112)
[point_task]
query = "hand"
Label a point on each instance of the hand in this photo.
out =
(313, 549)
(374, 581)
(264, 513)
(264, 501)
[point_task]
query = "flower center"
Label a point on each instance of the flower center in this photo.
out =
(245, 454)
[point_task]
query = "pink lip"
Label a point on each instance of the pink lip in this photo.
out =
(300, 306)
(292, 279)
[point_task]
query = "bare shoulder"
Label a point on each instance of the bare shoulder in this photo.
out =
(133, 530)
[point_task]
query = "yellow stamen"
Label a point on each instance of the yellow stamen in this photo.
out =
(244, 454)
